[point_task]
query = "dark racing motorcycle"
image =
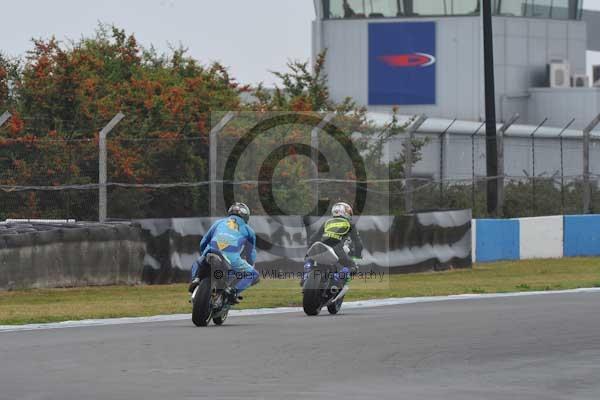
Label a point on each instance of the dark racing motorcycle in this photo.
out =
(211, 299)
(322, 285)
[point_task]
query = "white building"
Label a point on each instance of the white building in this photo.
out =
(375, 56)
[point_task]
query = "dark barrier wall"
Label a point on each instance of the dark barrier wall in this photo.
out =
(34, 255)
(420, 242)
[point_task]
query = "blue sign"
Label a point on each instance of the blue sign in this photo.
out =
(402, 63)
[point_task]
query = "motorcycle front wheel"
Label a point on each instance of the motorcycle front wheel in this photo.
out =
(335, 307)
(220, 320)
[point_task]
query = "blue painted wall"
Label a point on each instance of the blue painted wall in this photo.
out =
(582, 235)
(497, 240)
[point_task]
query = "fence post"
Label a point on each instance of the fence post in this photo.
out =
(213, 136)
(408, 193)
(474, 178)
(562, 166)
(314, 144)
(533, 176)
(102, 167)
(4, 117)
(443, 138)
(587, 192)
(500, 180)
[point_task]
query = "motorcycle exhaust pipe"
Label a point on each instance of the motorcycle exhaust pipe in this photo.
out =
(340, 295)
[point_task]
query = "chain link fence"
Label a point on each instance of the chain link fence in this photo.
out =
(175, 174)
(543, 176)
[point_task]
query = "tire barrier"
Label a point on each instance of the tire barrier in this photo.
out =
(429, 241)
(50, 255)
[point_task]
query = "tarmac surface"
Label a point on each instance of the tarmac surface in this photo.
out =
(542, 347)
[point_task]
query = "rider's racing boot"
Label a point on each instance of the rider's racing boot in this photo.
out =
(232, 296)
(347, 278)
(193, 285)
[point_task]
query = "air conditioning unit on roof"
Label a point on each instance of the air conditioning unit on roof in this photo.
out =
(596, 75)
(580, 81)
(559, 74)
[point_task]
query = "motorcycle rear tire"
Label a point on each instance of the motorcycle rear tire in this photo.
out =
(202, 305)
(312, 295)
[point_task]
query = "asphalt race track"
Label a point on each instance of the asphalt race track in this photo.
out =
(542, 347)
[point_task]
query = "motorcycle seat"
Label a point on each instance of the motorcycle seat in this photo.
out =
(322, 254)
(217, 261)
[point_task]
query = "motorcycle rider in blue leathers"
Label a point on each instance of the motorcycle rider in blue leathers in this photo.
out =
(233, 239)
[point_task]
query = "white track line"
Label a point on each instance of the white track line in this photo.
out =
(284, 310)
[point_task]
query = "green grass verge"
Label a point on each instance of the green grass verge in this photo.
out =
(53, 305)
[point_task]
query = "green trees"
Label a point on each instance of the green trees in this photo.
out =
(85, 83)
(9, 70)
(62, 94)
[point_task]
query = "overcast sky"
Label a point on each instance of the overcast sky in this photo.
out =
(249, 36)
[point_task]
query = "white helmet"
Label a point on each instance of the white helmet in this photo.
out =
(342, 210)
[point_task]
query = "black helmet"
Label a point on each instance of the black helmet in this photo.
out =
(241, 210)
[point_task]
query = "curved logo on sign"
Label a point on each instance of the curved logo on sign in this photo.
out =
(409, 60)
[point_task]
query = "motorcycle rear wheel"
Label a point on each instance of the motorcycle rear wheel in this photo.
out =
(202, 304)
(312, 295)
